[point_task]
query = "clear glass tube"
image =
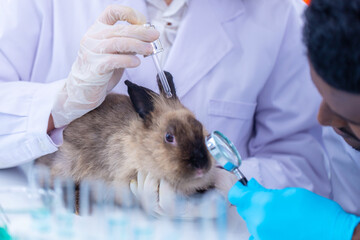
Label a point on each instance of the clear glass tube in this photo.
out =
(157, 48)
(162, 77)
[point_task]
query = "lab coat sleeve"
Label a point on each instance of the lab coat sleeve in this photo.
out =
(24, 113)
(25, 105)
(287, 148)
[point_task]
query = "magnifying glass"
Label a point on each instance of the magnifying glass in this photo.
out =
(225, 154)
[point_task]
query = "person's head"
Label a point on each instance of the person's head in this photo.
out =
(332, 37)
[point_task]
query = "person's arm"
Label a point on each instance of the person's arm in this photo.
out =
(356, 234)
(286, 148)
(25, 105)
(24, 114)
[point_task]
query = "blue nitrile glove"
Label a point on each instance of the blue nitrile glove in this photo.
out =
(290, 213)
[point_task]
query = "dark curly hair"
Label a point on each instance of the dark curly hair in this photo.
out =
(332, 36)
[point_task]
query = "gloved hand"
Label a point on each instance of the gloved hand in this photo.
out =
(290, 213)
(105, 50)
(158, 198)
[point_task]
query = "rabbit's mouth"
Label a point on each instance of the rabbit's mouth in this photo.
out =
(201, 180)
(199, 173)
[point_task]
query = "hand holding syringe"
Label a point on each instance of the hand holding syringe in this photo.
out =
(157, 48)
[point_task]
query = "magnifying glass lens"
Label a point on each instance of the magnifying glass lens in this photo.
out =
(225, 154)
(226, 150)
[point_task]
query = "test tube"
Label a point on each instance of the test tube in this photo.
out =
(40, 178)
(143, 223)
(221, 221)
(4, 222)
(95, 202)
(157, 48)
(64, 206)
(92, 197)
(42, 195)
(119, 212)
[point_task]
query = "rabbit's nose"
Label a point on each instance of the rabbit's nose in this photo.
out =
(199, 160)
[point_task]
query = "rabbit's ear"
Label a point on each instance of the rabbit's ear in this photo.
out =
(141, 99)
(169, 78)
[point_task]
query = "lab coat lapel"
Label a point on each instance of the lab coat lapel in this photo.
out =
(201, 41)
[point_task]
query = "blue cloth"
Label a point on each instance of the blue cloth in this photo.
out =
(290, 213)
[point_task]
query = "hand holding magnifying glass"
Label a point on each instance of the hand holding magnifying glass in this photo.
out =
(225, 154)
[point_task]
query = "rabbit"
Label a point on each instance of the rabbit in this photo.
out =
(144, 131)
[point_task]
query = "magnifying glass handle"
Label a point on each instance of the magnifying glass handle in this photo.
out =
(240, 176)
(244, 181)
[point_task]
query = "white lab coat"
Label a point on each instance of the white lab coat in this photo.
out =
(344, 171)
(238, 65)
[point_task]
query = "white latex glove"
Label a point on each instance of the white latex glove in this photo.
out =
(105, 50)
(157, 197)
(224, 180)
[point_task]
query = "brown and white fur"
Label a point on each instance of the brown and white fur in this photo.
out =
(126, 135)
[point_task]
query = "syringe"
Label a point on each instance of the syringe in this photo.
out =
(157, 48)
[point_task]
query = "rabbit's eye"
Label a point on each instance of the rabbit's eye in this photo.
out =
(169, 138)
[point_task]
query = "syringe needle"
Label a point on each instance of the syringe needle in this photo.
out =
(162, 77)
